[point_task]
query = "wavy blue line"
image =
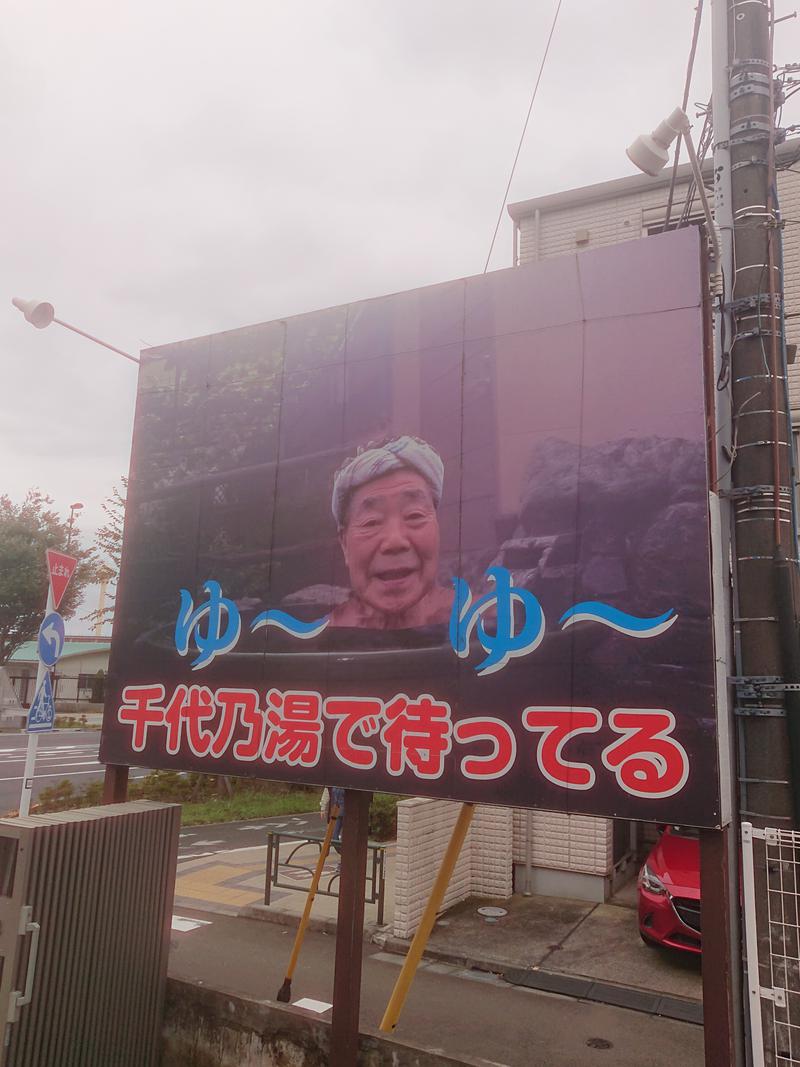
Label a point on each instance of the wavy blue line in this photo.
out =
(595, 611)
(293, 626)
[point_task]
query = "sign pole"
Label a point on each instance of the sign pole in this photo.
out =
(350, 930)
(49, 645)
(33, 738)
(721, 1009)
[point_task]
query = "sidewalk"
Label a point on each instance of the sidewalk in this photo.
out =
(232, 883)
(587, 951)
(463, 1013)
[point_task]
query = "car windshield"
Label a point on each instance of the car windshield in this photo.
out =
(685, 831)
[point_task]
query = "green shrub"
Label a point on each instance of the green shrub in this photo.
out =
(383, 816)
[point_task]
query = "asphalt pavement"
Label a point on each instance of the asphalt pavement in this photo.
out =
(60, 754)
(199, 841)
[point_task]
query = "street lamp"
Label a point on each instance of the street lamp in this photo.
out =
(40, 314)
(72, 509)
(650, 153)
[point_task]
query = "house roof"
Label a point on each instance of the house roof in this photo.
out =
(73, 646)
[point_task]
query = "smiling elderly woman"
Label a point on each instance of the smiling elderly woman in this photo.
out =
(384, 502)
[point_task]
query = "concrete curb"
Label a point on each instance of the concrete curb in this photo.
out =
(230, 1028)
(372, 932)
(400, 947)
(577, 987)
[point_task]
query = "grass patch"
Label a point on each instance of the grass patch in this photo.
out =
(247, 805)
(206, 798)
(72, 722)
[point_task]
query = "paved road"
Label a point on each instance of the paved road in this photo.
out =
(61, 754)
(197, 841)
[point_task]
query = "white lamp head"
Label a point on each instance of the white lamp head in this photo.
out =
(650, 152)
(38, 312)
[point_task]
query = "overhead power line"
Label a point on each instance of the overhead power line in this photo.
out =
(522, 135)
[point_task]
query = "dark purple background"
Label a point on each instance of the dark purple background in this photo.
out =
(566, 399)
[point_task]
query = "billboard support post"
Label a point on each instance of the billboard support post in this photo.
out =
(115, 784)
(719, 1007)
(350, 930)
(411, 962)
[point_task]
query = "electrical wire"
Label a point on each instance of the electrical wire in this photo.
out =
(522, 135)
(698, 15)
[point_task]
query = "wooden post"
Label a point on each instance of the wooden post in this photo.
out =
(350, 930)
(721, 979)
(115, 784)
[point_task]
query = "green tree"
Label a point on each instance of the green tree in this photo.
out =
(108, 542)
(26, 531)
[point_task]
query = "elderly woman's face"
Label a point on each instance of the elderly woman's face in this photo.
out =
(391, 541)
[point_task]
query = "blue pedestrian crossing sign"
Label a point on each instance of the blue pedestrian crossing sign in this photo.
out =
(50, 642)
(42, 713)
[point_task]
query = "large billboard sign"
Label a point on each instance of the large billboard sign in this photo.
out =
(452, 542)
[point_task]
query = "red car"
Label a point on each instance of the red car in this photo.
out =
(669, 891)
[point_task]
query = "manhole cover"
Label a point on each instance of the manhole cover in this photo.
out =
(599, 1042)
(492, 913)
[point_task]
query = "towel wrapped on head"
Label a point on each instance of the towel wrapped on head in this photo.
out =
(401, 453)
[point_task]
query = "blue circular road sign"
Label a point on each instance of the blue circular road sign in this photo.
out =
(50, 642)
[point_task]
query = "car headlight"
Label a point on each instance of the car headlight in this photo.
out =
(650, 882)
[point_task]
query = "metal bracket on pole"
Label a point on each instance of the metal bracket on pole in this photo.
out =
(749, 77)
(753, 161)
(752, 125)
(740, 63)
(744, 492)
(778, 996)
(748, 303)
(745, 90)
(750, 685)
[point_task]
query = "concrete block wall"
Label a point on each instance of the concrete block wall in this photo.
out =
(484, 867)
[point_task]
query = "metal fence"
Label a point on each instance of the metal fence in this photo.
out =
(87, 688)
(771, 869)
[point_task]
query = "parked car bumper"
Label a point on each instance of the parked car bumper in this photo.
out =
(670, 921)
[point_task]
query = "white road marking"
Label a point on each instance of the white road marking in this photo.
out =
(319, 1006)
(223, 851)
(74, 775)
(184, 925)
(251, 827)
(201, 844)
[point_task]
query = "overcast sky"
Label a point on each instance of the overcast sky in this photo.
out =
(180, 167)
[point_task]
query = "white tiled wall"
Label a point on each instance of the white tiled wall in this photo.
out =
(484, 867)
(565, 842)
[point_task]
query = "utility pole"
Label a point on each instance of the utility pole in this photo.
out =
(761, 443)
(753, 372)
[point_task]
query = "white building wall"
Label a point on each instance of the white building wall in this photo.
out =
(563, 842)
(484, 867)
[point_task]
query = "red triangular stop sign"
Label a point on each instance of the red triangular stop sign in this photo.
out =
(60, 569)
